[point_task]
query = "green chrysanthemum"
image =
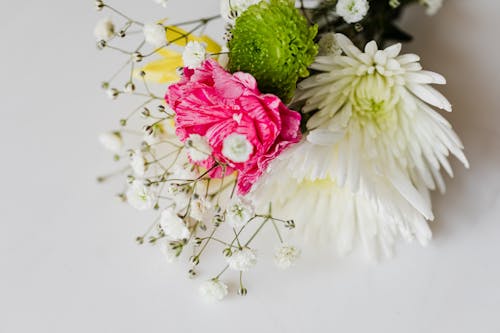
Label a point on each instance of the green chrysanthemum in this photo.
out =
(274, 43)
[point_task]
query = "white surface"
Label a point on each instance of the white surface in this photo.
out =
(68, 262)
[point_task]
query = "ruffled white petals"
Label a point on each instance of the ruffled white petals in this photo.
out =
(237, 148)
(138, 163)
(194, 55)
(239, 212)
(140, 197)
(213, 291)
(286, 256)
(375, 149)
(154, 34)
(198, 148)
(173, 226)
(352, 11)
(242, 260)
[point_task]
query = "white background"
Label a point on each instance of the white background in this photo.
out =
(68, 262)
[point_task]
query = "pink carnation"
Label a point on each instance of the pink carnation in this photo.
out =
(213, 103)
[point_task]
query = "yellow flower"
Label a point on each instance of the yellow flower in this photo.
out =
(164, 69)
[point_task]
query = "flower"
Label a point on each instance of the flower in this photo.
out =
(240, 211)
(328, 45)
(230, 10)
(198, 148)
(138, 163)
(213, 290)
(273, 42)
(104, 29)
(374, 151)
(140, 197)
(169, 252)
(242, 260)
(194, 54)
(112, 141)
(173, 226)
(215, 104)
(237, 148)
(154, 34)
(286, 256)
(162, 3)
(433, 6)
(352, 11)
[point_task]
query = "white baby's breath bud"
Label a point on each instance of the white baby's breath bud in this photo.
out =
(154, 34)
(286, 256)
(129, 87)
(99, 5)
(137, 57)
(173, 226)
(162, 3)
(112, 93)
(198, 148)
(242, 260)
(213, 290)
(433, 6)
(169, 252)
(194, 55)
(112, 141)
(352, 11)
(237, 148)
(104, 29)
(138, 163)
(239, 212)
(140, 197)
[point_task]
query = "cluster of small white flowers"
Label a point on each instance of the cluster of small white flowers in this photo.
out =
(239, 212)
(213, 290)
(242, 260)
(138, 163)
(237, 148)
(198, 148)
(230, 10)
(173, 226)
(286, 256)
(104, 29)
(112, 141)
(154, 34)
(194, 55)
(352, 11)
(433, 6)
(140, 196)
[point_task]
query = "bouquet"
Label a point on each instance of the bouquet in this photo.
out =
(303, 119)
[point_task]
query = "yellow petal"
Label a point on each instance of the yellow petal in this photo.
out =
(164, 70)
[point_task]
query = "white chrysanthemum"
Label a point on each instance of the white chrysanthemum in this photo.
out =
(375, 150)
(112, 141)
(194, 55)
(213, 290)
(242, 260)
(230, 10)
(239, 212)
(173, 226)
(154, 34)
(237, 148)
(433, 6)
(138, 163)
(104, 29)
(140, 197)
(352, 11)
(198, 148)
(286, 256)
